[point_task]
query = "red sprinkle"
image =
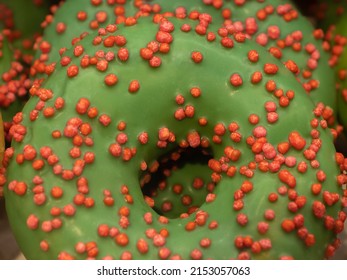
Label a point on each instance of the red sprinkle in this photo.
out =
(72, 71)
(134, 86)
(236, 80)
(296, 140)
(288, 225)
(197, 57)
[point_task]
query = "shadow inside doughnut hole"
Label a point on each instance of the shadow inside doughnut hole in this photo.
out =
(178, 182)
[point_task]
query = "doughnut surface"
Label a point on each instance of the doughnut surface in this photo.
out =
(122, 99)
(275, 24)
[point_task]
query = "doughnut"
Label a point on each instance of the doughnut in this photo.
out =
(277, 25)
(135, 100)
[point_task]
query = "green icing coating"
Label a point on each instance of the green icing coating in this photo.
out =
(70, 20)
(290, 23)
(299, 23)
(299, 43)
(85, 139)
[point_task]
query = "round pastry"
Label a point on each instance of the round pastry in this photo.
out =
(276, 25)
(128, 100)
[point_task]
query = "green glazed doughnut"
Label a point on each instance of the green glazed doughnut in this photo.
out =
(132, 100)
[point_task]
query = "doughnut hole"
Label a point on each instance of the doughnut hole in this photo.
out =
(179, 182)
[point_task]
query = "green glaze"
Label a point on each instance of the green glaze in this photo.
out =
(67, 14)
(150, 109)
(325, 78)
(325, 92)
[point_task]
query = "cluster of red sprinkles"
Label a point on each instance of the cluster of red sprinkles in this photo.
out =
(14, 83)
(90, 165)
